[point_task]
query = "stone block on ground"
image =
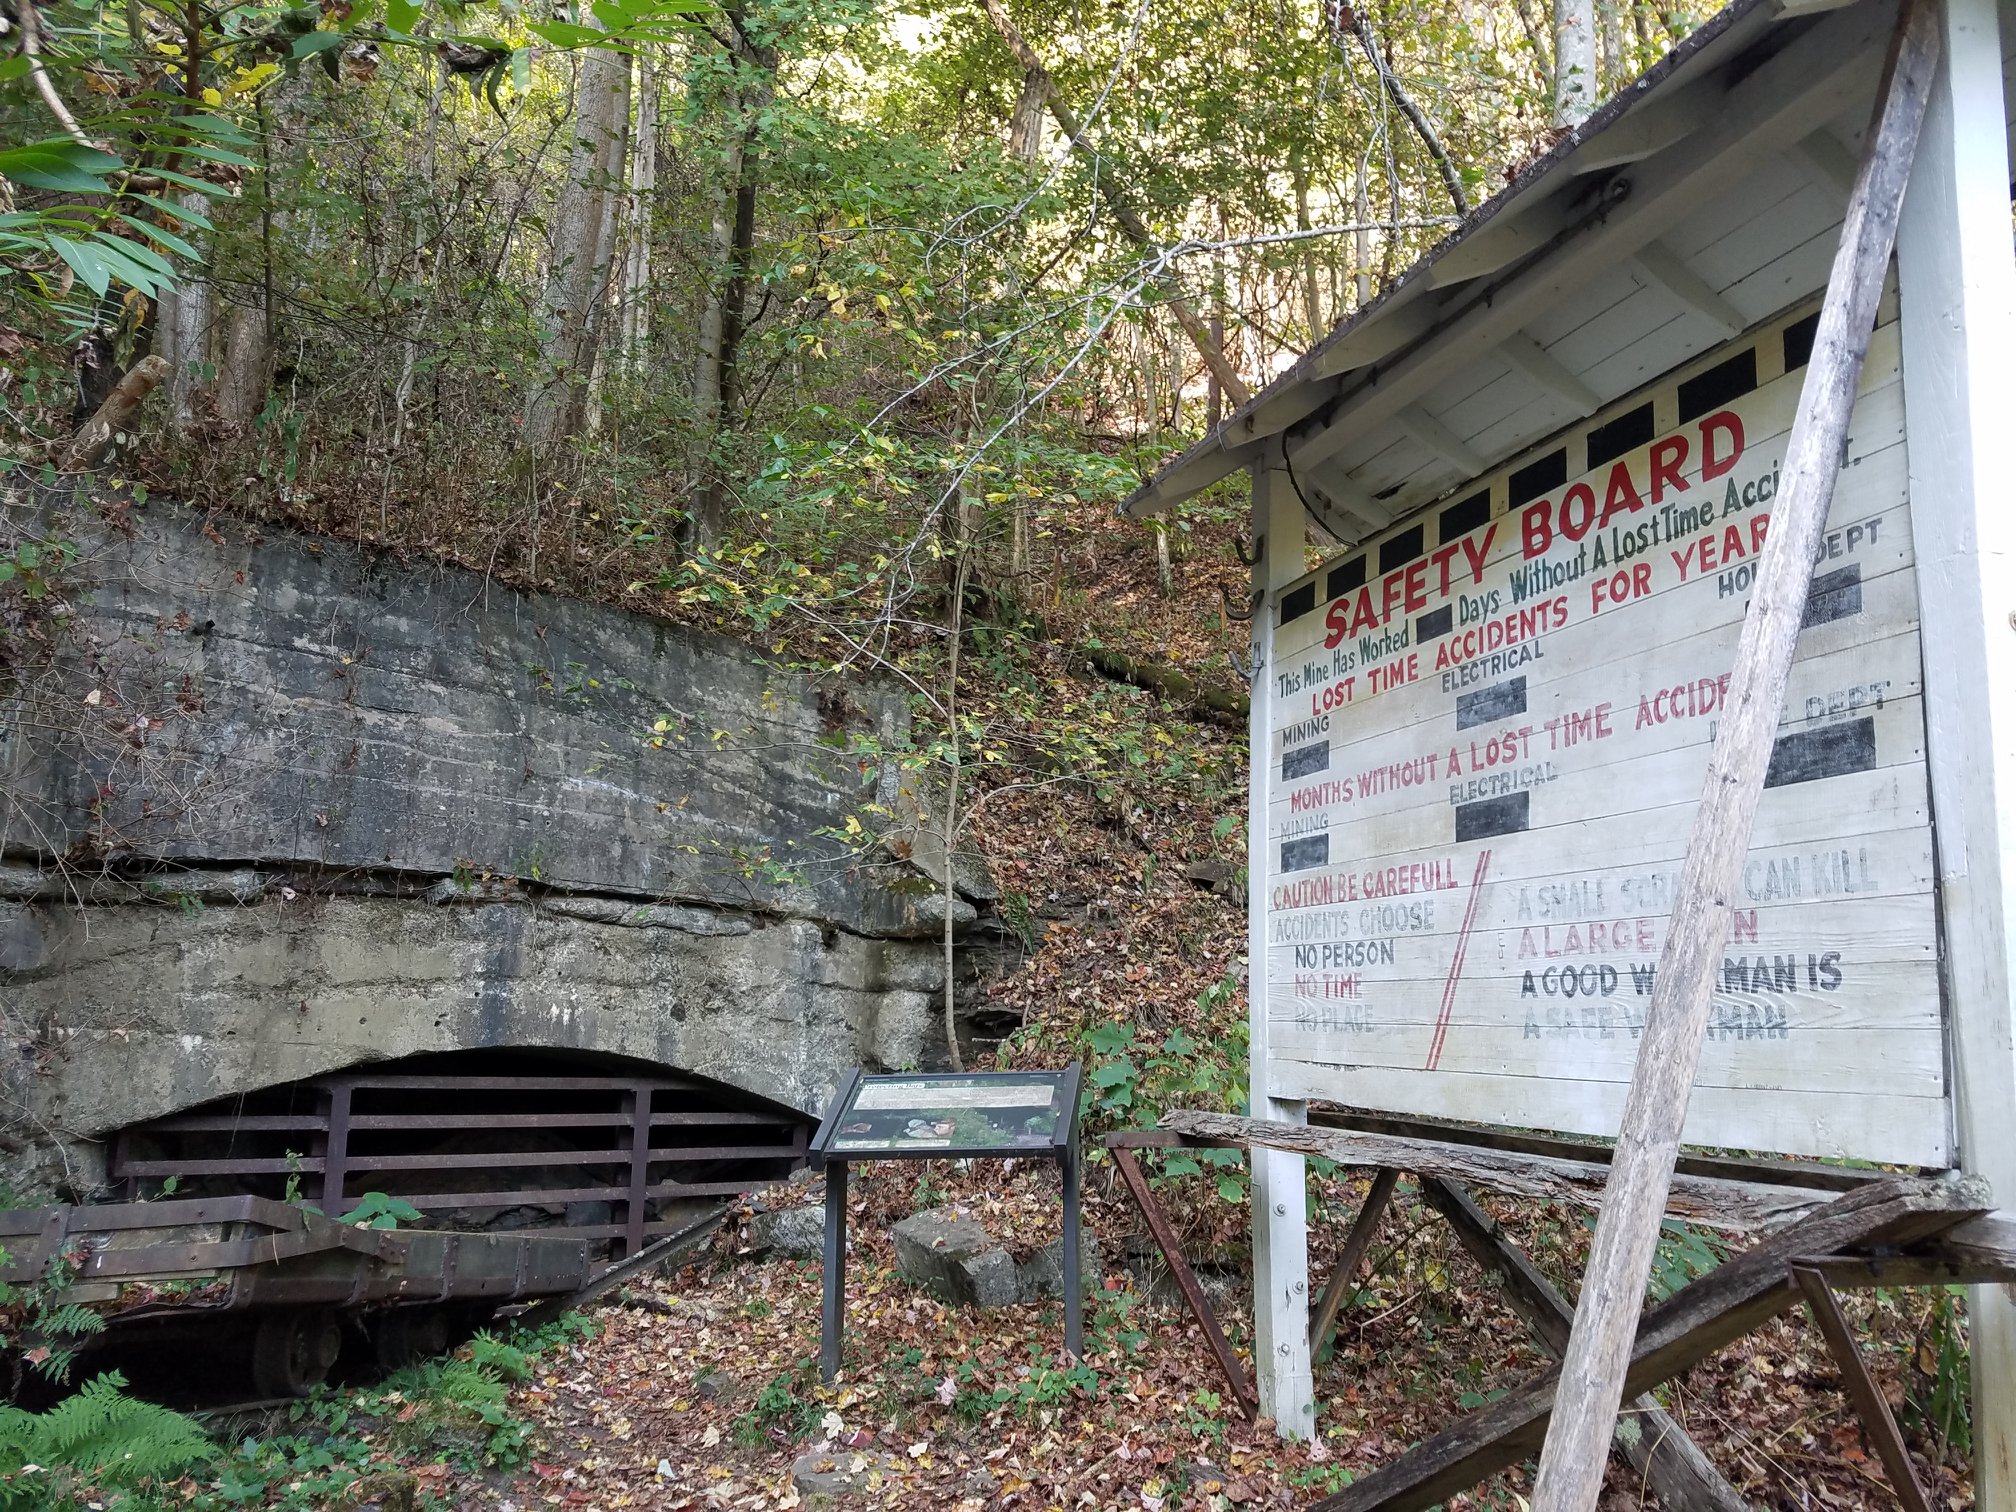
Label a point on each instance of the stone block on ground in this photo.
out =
(842, 1472)
(1042, 1274)
(799, 1232)
(951, 1256)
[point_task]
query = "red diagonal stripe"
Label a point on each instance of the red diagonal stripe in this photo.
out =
(1456, 963)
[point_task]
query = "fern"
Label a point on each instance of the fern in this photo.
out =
(71, 1319)
(99, 1436)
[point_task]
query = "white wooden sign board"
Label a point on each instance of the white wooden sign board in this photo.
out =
(1491, 728)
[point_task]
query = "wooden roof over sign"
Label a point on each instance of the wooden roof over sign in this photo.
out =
(1699, 201)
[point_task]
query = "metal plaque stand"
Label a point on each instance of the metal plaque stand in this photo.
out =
(830, 1149)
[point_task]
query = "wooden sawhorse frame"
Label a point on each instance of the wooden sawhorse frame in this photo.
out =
(1835, 1229)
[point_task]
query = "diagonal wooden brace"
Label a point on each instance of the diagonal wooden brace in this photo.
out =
(1692, 1324)
(1345, 1275)
(1869, 1404)
(1243, 1389)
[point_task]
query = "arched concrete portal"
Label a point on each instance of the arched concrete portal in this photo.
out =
(147, 1010)
(381, 810)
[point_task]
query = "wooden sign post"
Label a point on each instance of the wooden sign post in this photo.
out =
(1606, 1318)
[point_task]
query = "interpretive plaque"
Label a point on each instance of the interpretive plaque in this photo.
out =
(1007, 1114)
(994, 1113)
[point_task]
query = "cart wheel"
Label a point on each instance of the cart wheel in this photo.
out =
(292, 1351)
(408, 1335)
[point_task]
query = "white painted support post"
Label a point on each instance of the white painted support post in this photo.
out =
(1957, 314)
(1280, 1202)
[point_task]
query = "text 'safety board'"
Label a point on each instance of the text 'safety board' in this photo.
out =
(1491, 727)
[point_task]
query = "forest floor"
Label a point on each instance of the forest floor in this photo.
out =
(700, 1389)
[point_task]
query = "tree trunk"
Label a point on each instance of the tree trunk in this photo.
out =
(1361, 239)
(415, 234)
(1025, 126)
(1312, 291)
(241, 375)
(1574, 61)
(582, 248)
(182, 335)
(1538, 37)
(636, 310)
(1617, 63)
(113, 417)
(713, 318)
(730, 245)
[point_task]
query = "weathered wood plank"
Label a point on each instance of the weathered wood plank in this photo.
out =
(1689, 1326)
(1979, 1252)
(1683, 1478)
(1599, 1355)
(1808, 1173)
(1768, 1120)
(1280, 1187)
(1723, 1204)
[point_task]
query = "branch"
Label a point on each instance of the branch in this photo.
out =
(1171, 682)
(1543, 53)
(1348, 19)
(31, 48)
(88, 449)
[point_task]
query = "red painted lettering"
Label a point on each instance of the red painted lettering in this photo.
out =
(1622, 494)
(1725, 424)
(1536, 528)
(1668, 457)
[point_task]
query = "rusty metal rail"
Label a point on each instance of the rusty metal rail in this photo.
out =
(262, 1253)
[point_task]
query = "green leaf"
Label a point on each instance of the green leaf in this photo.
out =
(84, 262)
(194, 219)
(201, 186)
(1181, 1165)
(1110, 1039)
(310, 43)
(238, 159)
(566, 33)
(208, 127)
(1230, 1188)
(120, 263)
(147, 257)
(46, 167)
(12, 68)
(1115, 1073)
(167, 239)
(563, 33)
(493, 80)
(521, 69)
(401, 14)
